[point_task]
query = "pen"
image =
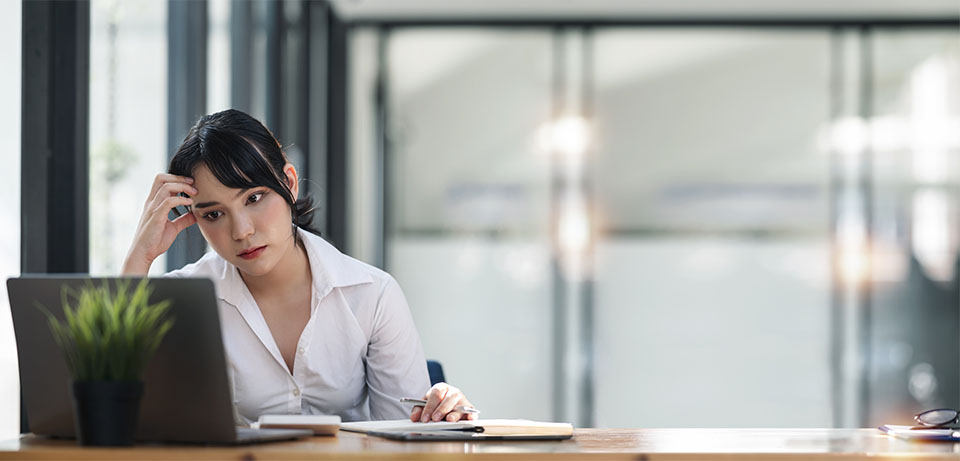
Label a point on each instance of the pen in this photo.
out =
(460, 408)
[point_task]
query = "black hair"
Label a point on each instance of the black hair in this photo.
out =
(242, 154)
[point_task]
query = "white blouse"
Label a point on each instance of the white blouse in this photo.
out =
(357, 356)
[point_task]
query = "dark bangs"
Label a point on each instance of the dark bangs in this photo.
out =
(242, 154)
(232, 159)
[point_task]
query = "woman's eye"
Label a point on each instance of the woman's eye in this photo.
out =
(211, 216)
(255, 197)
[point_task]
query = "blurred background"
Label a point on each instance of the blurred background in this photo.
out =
(615, 213)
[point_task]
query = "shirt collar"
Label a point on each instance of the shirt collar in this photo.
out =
(329, 268)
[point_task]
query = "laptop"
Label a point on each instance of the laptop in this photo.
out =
(187, 396)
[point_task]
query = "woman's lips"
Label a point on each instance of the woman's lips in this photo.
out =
(252, 253)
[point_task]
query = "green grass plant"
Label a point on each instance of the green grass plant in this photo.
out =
(109, 335)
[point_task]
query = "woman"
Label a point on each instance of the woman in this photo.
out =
(306, 329)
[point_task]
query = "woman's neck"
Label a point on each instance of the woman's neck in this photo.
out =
(292, 272)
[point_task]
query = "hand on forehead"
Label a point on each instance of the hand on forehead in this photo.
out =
(209, 188)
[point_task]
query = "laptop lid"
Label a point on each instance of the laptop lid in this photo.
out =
(187, 396)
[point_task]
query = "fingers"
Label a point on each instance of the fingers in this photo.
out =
(162, 180)
(184, 222)
(415, 413)
(442, 400)
(456, 415)
(170, 202)
(450, 400)
(434, 396)
(173, 188)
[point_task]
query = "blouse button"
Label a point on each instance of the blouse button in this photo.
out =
(296, 392)
(300, 351)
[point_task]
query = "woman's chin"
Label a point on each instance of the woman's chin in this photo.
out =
(254, 268)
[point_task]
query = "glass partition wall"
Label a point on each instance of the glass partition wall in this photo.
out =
(915, 133)
(468, 207)
(128, 120)
(713, 275)
(649, 226)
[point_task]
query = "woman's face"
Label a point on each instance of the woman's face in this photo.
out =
(252, 229)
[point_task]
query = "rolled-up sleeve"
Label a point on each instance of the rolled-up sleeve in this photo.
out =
(395, 364)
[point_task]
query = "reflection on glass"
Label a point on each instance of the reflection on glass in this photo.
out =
(128, 97)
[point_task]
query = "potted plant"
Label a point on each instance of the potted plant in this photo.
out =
(108, 337)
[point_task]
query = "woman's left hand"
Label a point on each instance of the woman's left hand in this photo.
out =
(441, 399)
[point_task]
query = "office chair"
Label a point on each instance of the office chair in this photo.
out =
(436, 372)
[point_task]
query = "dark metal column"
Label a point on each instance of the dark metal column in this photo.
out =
(273, 21)
(55, 86)
(186, 100)
(317, 82)
(54, 198)
(383, 161)
(241, 49)
(336, 122)
(294, 89)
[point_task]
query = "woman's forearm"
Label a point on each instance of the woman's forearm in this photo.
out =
(134, 265)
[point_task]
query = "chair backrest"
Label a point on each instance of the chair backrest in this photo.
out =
(436, 372)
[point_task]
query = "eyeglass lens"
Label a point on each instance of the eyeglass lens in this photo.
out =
(937, 417)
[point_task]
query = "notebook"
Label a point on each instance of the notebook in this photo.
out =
(481, 429)
(905, 432)
(319, 424)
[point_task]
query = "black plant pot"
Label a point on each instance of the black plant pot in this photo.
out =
(105, 412)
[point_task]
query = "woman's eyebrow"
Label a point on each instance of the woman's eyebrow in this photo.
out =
(206, 204)
(209, 204)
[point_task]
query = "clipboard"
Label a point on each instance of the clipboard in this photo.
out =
(923, 435)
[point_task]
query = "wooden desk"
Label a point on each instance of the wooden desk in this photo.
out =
(632, 444)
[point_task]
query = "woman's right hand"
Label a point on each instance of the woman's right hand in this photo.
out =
(156, 232)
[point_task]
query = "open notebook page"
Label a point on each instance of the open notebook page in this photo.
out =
(490, 426)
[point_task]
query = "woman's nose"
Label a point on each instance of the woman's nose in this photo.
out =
(242, 227)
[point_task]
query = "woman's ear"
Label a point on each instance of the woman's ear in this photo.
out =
(291, 173)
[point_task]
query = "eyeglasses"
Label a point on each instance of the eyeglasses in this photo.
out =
(942, 417)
